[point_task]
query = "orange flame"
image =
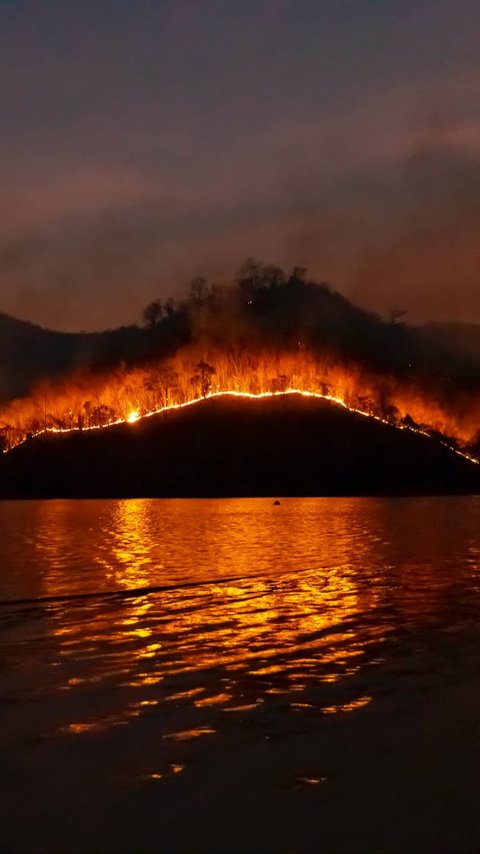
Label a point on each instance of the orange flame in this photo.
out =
(87, 401)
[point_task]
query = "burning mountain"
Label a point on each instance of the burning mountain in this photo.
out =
(230, 445)
(266, 334)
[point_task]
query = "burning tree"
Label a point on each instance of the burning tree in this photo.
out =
(204, 377)
(160, 382)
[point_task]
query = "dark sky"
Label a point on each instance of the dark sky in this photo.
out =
(144, 142)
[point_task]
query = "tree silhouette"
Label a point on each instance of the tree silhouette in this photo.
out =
(205, 374)
(198, 290)
(153, 314)
(170, 308)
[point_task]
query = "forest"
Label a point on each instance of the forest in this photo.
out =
(265, 331)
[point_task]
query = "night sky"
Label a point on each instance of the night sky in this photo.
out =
(145, 142)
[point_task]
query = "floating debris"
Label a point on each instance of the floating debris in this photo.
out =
(309, 780)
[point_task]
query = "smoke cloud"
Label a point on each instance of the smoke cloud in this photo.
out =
(405, 235)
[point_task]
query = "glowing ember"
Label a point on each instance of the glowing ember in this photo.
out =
(133, 416)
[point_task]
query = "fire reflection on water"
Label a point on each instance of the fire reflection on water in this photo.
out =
(249, 609)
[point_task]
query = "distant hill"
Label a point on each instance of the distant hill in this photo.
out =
(235, 447)
(29, 353)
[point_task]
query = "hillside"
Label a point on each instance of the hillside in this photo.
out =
(236, 447)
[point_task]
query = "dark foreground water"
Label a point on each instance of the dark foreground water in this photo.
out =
(139, 637)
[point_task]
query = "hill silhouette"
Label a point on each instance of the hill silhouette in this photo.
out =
(30, 353)
(287, 445)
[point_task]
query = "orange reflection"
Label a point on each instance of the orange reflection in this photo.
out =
(219, 645)
(248, 605)
(188, 734)
(359, 703)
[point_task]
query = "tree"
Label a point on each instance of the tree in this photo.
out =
(170, 307)
(273, 275)
(391, 413)
(255, 277)
(204, 377)
(408, 421)
(96, 416)
(103, 415)
(198, 290)
(249, 277)
(159, 382)
(297, 275)
(153, 314)
(87, 408)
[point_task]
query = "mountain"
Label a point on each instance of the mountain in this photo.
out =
(30, 353)
(287, 445)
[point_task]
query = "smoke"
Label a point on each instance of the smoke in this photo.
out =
(428, 260)
(399, 233)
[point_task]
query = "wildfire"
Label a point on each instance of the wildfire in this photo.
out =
(135, 415)
(87, 401)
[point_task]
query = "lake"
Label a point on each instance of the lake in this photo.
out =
(144, 643)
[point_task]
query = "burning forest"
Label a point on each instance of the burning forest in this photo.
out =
(265, 334)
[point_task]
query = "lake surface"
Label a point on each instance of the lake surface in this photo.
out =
(166, 623)
(150, 592)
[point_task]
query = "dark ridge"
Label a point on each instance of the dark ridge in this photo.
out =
(30, 353)
(238, 447)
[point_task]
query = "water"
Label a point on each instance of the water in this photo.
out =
(173, 622)
(237, 599)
